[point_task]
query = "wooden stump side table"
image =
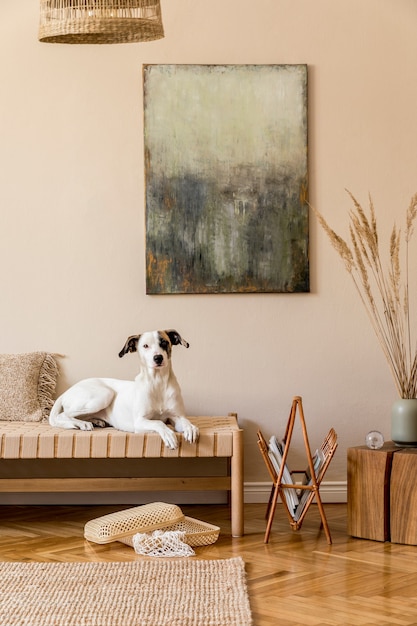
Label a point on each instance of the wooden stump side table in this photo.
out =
(403, 501)
(368, 473)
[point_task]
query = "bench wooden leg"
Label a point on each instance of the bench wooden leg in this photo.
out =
(237, 484)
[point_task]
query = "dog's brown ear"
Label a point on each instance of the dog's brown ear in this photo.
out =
(131, 345)
(176, 339)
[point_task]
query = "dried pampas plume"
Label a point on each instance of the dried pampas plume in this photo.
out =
(383, 289)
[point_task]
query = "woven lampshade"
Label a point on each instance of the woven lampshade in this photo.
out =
(100, 21)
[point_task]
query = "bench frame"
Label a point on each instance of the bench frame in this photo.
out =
(219, 437)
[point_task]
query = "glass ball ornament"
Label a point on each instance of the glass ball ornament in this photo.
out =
(374, 440)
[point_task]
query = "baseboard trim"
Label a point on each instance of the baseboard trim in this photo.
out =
(330, 491)
(124, 498)
(253, 492)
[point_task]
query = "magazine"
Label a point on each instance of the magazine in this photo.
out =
(295, 499)
(275, 452)
(318, 460)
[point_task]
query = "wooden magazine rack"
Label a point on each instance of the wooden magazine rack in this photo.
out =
(290, 491)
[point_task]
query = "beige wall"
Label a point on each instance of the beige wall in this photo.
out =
(72, 208)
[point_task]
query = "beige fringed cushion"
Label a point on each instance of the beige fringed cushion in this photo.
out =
(27, 385)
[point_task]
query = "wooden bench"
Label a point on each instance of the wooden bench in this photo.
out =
(220, 437)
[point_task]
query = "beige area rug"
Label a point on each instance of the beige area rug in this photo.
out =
(141, 593)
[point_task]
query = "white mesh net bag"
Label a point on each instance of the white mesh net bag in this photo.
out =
(162, 543)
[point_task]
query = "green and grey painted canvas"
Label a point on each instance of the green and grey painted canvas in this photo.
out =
(226, 179)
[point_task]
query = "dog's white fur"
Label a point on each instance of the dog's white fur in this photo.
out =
(145, 404)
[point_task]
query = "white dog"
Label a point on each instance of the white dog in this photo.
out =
(145, 404)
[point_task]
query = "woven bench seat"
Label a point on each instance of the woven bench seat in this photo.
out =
(33, 440)
(220, 436)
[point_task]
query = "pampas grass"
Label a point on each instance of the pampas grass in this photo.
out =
(382, 288)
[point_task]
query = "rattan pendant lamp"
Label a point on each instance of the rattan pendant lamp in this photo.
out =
(100, 21)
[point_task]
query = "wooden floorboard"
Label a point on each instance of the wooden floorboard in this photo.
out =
(297, 579)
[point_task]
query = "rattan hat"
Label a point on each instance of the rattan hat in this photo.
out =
(123, 525)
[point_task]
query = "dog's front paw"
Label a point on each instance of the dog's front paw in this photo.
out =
(190, 432)
(169, 438)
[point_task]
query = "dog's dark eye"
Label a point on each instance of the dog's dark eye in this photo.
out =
(145, 345)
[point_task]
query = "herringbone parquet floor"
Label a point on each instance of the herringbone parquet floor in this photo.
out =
(297, 579)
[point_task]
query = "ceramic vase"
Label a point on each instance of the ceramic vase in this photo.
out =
(404, 422)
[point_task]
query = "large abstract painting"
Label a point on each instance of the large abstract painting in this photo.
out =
(226, 178)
